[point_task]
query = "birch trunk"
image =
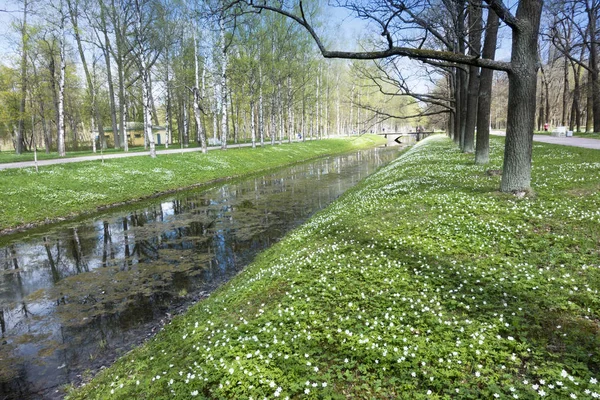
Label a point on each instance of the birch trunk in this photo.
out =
(61, 91)
(111, 89)
(317, 103)
(146, 87)
(261, 119)
(289, 109)
(197, 98)
(252, 124)
(215, 112)
(224, 60)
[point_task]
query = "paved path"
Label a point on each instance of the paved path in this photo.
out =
(565, 141)
(41, 163)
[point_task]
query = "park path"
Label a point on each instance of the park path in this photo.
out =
(41, 163)
(565, 141)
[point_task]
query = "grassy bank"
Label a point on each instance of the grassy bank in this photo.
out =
(66, 190)
(422, 282)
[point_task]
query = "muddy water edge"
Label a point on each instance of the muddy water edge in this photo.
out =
(75, 296)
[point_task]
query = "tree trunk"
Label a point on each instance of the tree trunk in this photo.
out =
(252, 124)
(147, 107)
(224, 60)
(61, 93)
(482, 145)
(146, 86)
(565, 93)
(594, 66)
(111, 89)
(197, 99)
(19, 141)
(88, 76)
(290, 104)
(516, 175)
(589, 120)
(475, 27)
(261, 119)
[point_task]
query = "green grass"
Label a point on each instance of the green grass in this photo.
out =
(68, 190)
(11, 156)
(423, 282)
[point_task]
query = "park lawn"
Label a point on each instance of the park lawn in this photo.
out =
(11, 156)
(68, 190)
(423, 281)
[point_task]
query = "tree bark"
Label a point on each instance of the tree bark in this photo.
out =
(592, 12)
(516, 175)
(224, 60)
(19, 141)
(197, 99)
(482, 144)
(475, 27)
(111, 89)
(61, 91)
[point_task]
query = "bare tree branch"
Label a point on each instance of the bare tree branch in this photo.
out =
(420, 54)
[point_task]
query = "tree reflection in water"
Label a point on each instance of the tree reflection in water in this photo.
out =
(76, 296)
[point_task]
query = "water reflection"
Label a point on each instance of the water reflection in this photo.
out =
(78, 295)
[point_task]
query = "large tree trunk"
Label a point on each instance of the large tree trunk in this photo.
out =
(565, 93)
(516, 175)
(475, 27)
(462, 75)
(575, 121)
(589, 120)
(482, 145)
(594, 67)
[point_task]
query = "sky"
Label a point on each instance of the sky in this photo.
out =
(346, 29)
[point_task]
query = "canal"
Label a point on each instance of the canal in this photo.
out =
(75, 296)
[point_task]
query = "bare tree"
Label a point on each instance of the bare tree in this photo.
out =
(522, 69)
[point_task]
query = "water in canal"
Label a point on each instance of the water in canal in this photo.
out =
(73, 297)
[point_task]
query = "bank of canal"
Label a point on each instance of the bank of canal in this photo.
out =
(76, 296)
(60, 192)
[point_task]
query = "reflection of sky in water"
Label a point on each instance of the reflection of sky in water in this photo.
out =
(77, 284)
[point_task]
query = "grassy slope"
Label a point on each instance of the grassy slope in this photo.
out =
(422, 282)
(71, 189)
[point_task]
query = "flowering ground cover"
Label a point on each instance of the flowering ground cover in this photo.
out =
(423, 282)
(69, 190)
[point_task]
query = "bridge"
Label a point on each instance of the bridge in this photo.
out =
(396, 138)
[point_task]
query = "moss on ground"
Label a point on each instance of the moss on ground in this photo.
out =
(421, 282)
